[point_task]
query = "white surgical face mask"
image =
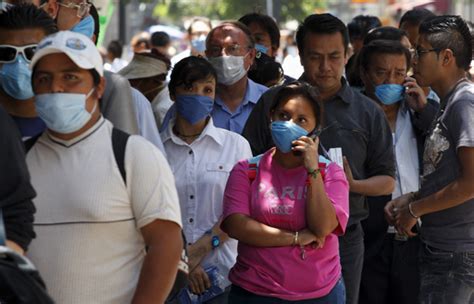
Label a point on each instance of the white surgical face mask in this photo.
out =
(63, 112)
(229, 69)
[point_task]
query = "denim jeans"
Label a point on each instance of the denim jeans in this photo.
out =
(446, 277)
(351, 252)
(239, 295)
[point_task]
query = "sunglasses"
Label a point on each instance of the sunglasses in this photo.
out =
(82, 8)
(8, 53)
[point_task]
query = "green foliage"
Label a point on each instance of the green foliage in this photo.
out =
(175, 10)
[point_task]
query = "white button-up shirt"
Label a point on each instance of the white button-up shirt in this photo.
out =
(201, 170)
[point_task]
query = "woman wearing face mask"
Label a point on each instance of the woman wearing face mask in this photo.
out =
(201, 157)
(286, 212)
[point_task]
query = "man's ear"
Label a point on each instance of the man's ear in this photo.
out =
(448, 56)
(100, 88)
(252, 54)
(52, 8)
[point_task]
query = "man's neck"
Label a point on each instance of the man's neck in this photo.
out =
(444, 86)
(232, 95)
(18, 108)
(329, 93)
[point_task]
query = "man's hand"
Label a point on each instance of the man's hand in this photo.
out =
(404, 221)
(416, 98)
(393, 206)
(199, 281)
(348, 171)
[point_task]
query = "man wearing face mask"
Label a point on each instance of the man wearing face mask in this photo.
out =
(391, 261)
(198, 29)
(104, 213)
(81, 17)
(146, 73)
(266, 34)
(231, 51)
(21, 28)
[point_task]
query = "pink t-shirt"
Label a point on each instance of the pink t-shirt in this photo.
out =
(277, 198)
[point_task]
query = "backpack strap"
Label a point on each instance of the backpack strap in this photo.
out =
(253, 167)
(119, 144)
(30, 142)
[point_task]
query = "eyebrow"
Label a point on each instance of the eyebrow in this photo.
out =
(317, 53)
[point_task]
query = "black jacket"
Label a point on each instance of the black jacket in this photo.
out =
(16, 192)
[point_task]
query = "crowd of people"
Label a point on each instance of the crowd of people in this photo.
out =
(351, 184)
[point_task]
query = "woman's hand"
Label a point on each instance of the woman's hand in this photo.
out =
(306, 237)
(199, 280)
(309, 151)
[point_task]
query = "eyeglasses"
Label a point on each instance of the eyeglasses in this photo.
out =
(8, 53)
(419, 52)
(232, 50)
(82, 8)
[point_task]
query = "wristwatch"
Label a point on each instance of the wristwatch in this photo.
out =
(215, 240)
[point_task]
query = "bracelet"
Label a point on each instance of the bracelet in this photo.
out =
(411, 211)
(295, 239)
(314, 173)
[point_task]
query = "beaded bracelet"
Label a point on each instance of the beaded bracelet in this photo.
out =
(314, 173)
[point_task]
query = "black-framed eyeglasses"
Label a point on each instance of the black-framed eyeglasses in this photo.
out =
(418, 52)
(82, 8)
(9, 53)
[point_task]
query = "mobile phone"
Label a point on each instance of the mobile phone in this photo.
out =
(313, 134)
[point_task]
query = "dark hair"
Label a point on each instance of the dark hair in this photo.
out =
(115, 48)
(95, 15)
(449, 32)
(27, 16)
(381, 47)
(238, 25)
(188, 71)
(197, 19)
(416, 16)
(299, 88)
(158, 39)
(385, 33)
(267, 23)
(361, 25)
(321, 24)
(95, 76)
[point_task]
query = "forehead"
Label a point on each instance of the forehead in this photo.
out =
(228, 33)
(21, 37)
(388, 61)
(423, 42)
(323, 43)
(297, 104)
(255, 28)
(199, 26)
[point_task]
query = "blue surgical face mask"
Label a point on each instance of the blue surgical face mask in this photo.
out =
(15, 79)
(194, 108)
(261, 48)
(63, 112)
(199, 43)
(284, 133)
(85, 26)
(389, 94)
